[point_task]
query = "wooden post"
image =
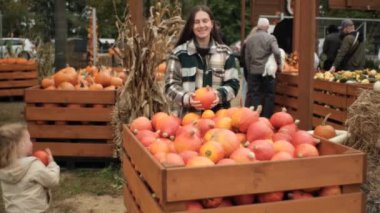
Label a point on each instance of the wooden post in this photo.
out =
(242, 22)
(306, 40)
(252, 5)
(137, 13)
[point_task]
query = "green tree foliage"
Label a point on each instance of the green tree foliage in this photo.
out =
(16, 18)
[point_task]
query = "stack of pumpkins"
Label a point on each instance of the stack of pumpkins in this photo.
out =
(229, 136)
(89, 78)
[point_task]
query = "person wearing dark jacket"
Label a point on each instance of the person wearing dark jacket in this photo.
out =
(352, 51)
(331, 46)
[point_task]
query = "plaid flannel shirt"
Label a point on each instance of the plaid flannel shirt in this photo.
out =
(188, 71)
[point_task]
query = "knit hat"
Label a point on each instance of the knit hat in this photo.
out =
(346, 23)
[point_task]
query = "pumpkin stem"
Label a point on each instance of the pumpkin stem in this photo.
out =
(325, 119)
(297, 122)
(283, 109)
(259, 109)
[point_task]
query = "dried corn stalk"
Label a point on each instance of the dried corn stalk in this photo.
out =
(45, 59)
(142, 95)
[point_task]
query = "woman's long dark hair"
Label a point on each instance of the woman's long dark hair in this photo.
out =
(187, 32)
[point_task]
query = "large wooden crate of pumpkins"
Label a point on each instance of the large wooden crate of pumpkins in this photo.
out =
(72, 123)
(15, 77)
(152, 187)
(328, 98)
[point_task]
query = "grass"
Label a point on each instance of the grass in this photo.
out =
(107, 181)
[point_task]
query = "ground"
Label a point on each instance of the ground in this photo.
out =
(80, 190)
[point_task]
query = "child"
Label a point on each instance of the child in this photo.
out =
(24, 179)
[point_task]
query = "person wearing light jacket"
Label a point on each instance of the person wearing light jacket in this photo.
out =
(261, 84)
(25, 180)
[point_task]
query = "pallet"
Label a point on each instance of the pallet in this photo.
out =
(15, 78)
(71, 123)
(151, 187)
(328, 97)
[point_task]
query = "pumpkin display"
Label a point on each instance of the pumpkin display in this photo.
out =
(324, 130)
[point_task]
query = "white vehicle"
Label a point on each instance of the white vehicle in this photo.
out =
(21, 47)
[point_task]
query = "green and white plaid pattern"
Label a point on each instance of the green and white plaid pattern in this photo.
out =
(188, 71)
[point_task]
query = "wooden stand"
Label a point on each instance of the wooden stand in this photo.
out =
(328, 97)
(14, 78)
(71, 123)
(151, 187)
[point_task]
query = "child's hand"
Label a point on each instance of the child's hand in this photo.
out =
(50, 156)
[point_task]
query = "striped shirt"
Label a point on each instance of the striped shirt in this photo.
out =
(187, 71)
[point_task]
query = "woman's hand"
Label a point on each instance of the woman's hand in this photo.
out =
(195, 103)
(216, 101)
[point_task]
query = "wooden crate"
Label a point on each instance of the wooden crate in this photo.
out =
(14, 78)
(287, 93)
(172, 186)
(71, 123)
(328, 97)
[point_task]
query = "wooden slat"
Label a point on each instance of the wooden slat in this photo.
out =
(330, 86)
(152, 171)
(263, 177)
(12, 92)
(77, 149)
(8, 67)
(36, 95)
(340, 116)
(142, 196)
(70, 131)
(333, 100)
(317, 121)
(18, 75)
(288, 78)
(129, 202)
(18, 83)
(68, 114)
(286, 101)
(287, 90)
(345, 203)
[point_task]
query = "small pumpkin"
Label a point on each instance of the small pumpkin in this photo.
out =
(324, 130)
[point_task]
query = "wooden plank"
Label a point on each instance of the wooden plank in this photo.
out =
(328, 148)
(288, 78)
(68, 114)
(8, 67)
(329, 99)
(70, 131)
(12, 92)
(286, 101)
(143, 197)
(77, 149)
(262, 177)
(18, 83)
(344, 203)
(355, 89)
(18, 75)
(152, 171)
(287, 90)
(330, 86)
(129, 202)
(37, 95)
(355, 4)
(340, 116)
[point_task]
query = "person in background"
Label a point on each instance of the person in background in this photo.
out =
(25, 180)
(351, 54)
(200, 59)
(261, 89)
(331, 46)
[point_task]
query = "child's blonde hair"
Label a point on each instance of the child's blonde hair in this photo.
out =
(10, 137)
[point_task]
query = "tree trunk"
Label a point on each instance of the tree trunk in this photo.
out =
(60, 34)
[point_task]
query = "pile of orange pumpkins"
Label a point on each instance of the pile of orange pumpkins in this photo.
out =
(89, 78)
(17, 61)
(228, 136)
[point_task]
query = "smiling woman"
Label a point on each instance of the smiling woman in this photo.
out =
(200, 59)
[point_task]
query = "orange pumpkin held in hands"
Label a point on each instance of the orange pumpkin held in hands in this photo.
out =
(206, 96)
(42, 156)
